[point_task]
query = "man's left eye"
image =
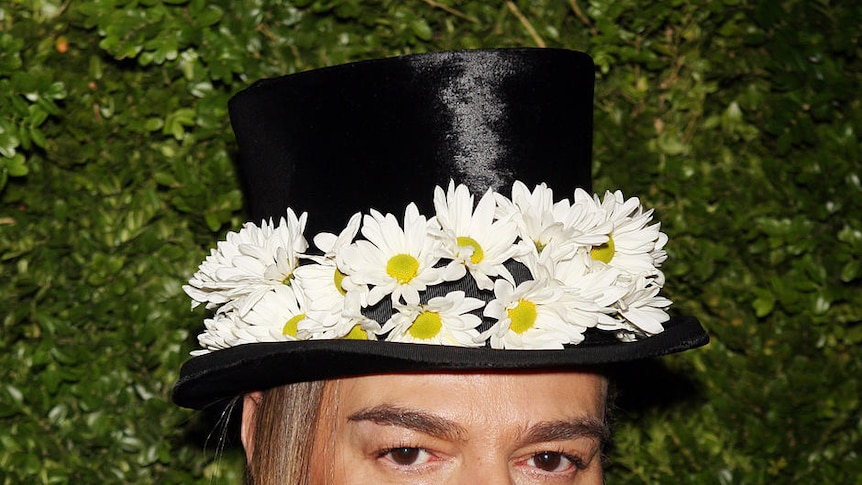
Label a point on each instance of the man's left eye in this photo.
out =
(551, 461)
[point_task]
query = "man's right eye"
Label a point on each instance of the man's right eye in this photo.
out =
(406, 456)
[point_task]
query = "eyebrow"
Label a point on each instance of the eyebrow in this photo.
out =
(571, 429)
(430, 424)
(439, 427)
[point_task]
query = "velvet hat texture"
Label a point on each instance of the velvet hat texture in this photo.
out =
(504, 261)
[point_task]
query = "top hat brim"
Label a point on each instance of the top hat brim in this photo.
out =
(221, 375)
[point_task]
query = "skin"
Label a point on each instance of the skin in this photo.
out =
(458, 428)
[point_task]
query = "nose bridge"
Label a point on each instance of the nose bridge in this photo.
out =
(484, 470)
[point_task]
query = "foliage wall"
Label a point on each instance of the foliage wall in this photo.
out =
(739, 120)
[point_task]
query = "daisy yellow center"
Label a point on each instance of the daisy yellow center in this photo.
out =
(605, 252)
(288, 279)
(426, 326)
(338, 278)
(356, 333)
(523, 316)
(478, 254)
(290, 327)
(539, 246)
(402, 267)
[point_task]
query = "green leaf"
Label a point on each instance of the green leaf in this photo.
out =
(421, 29)
(38, 137)
(17, 166)
(209, 16)
(154, 124)
(8, 140)
(213, 221)
(764, 304)
(851, 270)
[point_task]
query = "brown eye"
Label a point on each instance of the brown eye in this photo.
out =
(405, 456)
(548, 461)
(556, 462)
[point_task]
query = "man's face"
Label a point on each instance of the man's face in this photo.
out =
(462, 428)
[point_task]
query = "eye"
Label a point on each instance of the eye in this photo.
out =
(407, 456)
(551, 461)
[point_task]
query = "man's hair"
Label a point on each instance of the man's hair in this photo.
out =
(285, 427)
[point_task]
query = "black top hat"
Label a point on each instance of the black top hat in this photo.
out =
(379, 136)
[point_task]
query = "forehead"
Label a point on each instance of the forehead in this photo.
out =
(480, 397)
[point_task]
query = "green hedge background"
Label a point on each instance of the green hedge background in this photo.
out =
(738, 120)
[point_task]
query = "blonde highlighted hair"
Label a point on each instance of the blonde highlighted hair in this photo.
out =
(285, 423)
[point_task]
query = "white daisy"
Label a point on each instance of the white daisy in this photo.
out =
(276, 316)
(332, 312)
(394, 261)
(632, 246)
(533, 214)
(444, 320)
(248, 264)
(531, 316)
(642, 309)
(353, 325)
(473, 240)
(325, 295)
(273, 319)
(589, 296)
(220, 333)
(323, 284)
(582, 225)
(331, 244)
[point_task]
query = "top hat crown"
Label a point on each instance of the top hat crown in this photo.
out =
(381, 133)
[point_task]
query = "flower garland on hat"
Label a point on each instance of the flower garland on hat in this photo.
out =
(593, 263)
